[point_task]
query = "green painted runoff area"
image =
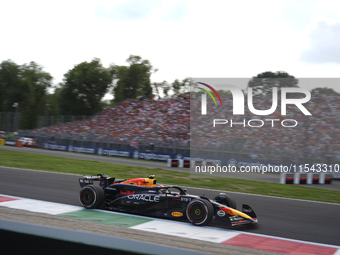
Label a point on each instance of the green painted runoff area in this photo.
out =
(106, 218)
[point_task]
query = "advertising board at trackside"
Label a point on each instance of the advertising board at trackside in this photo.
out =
(153, 156)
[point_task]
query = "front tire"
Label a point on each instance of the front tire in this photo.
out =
(200, 212)
(92, 197)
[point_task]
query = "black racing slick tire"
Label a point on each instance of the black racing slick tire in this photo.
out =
(92, 197)
(226, 200)
(200, 212)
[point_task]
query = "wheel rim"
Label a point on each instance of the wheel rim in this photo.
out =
(197, 212)
(87, 196)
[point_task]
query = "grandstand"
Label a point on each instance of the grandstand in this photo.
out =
(316, 138)
(164, 126)
(133, 124)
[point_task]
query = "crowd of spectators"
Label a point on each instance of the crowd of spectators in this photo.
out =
(315, 136)
(166, 122)
(163, 122)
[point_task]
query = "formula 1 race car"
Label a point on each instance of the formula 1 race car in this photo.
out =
(145, 197)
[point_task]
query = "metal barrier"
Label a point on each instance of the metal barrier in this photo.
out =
(47, 121)
(80, 141)
(10, 121)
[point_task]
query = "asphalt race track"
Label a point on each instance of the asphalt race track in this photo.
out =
(268, 177)
(295, 219)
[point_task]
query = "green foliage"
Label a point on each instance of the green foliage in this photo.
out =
(121, 73)
(134, 80)
(36, 81)
(263, 83)
(11, 86)
(26, 85)
(161, 89)
(52, 103)
(180, 87)
(83, 88)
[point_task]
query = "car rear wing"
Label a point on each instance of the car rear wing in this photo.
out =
(88, 180)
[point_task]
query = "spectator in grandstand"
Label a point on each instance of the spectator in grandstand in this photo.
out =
(166, 122)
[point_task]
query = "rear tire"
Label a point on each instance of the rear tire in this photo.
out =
(200, 212)
(92, 197)
(226, 200)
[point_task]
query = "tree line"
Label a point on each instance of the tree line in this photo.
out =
(25, 88)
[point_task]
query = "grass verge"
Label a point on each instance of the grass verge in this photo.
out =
(76, 166)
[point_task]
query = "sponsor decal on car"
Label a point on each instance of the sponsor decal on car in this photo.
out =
(86, 181)
(127, 192)
(220, 213)
(147, 198)
(177, 214)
